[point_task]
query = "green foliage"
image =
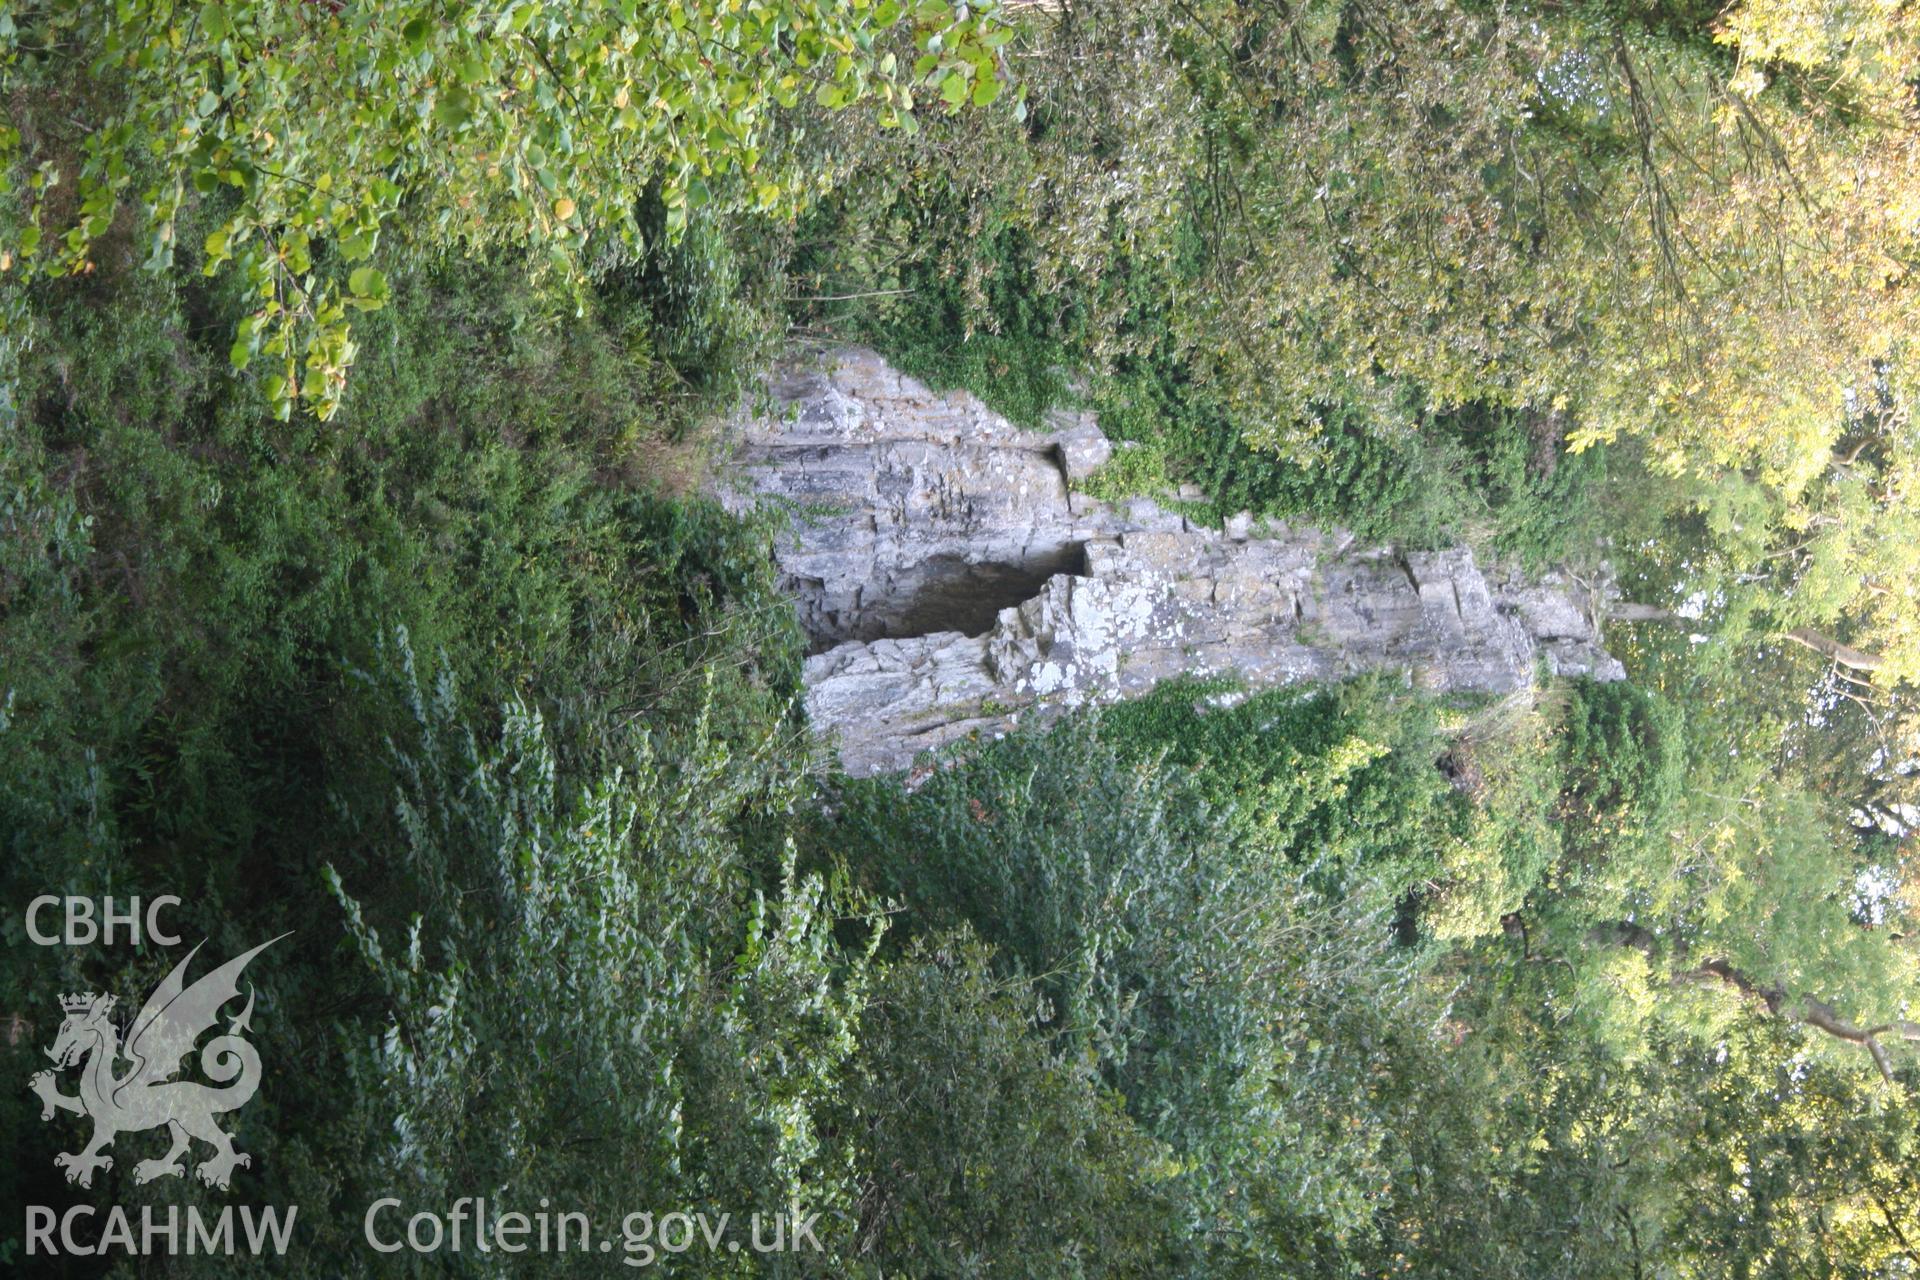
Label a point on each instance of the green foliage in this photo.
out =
(1038, 845)
(1626, 767)
(1825, 1185)
(585, 1000)
(1590, 980)
(469, 503)
(1016, 356)
(191, 598)
(1338, 782)
(1407, 268)
(973, 315)
(309, 135)
(1177, 957)
(1486, 477)
(1501, 758)
(1005, 1158)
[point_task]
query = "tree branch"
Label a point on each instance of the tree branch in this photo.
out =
(1631, 611)
(1774, 1000)
(1825, 645)
(1810, 1012)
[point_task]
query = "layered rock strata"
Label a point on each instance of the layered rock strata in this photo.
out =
(953, 580)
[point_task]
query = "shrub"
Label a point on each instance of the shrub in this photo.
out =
(191, 601)
(1185, 963)
(1625, 760)
(1337, 783)
(985, 1151)
(584, 998)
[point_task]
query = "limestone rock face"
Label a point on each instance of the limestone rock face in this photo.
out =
(952, 580)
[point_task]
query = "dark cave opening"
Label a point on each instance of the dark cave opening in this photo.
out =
(945, 593)
(953, 595)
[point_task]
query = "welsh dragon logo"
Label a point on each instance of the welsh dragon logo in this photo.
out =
(144, 1095)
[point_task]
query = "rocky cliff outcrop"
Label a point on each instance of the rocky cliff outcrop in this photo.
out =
(953, 580)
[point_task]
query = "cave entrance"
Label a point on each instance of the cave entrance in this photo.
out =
(952, 595)
(946, 593)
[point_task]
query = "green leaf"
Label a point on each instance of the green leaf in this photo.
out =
(160, 254)
(452, 108)
(365, 282)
